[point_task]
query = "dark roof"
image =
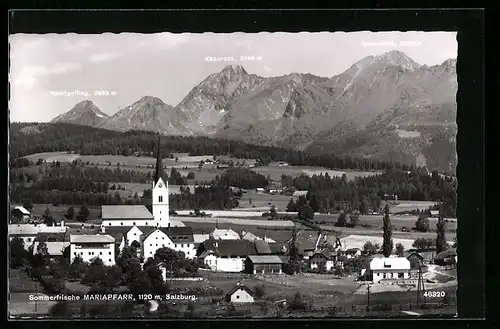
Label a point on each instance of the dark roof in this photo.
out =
(415, 254)
(262, 247)
(265, 259)
(324, 254)
(179, 234)
(446, 254)
(306, 240)
(277, 248)
(352, 250)
(52, 237)
(240, 287)
(225, 248)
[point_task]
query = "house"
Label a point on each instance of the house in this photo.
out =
(283, 164)
(224, 234)
(383, 269)
(222, 166)
(434, 213)
(322, 259)
(20, 213)
(447, 257)
(135, 233)
(260, 190)
(278, 248)
(352, 253)
(89, 247)
(416, 260)
(307, 242)
(263, 264)
(28, 232)
(298, 194)
(176, 238)
(240, 294)
(55, 249)
(230, 255)
(199, 239)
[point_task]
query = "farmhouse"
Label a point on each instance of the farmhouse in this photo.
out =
(229, 255)
(249, 236)
(322, 260)
(221, 234)
(352, 253)
(383, 269)
(434, 213)
(298, 194)
(307, 242)
(263, 264)
(54, 249)
(416, 260)
(240, 294)
(447, 257)
(176, 238)
(89, 247)
(20, 213)
(199, 239)
(28, 232)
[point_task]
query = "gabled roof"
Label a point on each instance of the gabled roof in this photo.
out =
(94, 238)
(216, 233)
(179, 234)
(324, 253)
(352, 250)
(446, 254)
(307, 240)
(262, 247)
(52, 237)
(23, 210)
(240, 287)
(415, 254)
(126, 212)
(249, 236)
(278, 248)
(230, 248)
(265, 259)
(200, 238)
(299, 193)
(30, 229)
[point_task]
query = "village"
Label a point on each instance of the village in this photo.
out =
(228, 262)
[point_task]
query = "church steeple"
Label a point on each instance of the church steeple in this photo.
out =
(159, 165)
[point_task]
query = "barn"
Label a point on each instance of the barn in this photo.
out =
(240, 294)
(264, 264)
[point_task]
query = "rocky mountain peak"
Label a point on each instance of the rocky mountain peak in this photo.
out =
(397, 58)
(234, 70)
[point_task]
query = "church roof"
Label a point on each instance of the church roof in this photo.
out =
(125, 212)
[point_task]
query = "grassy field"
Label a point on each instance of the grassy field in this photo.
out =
(406, 205)
(59, 211)
(263, 200)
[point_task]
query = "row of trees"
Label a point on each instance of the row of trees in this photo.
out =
(84, 140)
(242, 178)
(365, 193)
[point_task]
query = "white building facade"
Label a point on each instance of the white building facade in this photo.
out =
(89, 247)
(168, 238)
(391, 268)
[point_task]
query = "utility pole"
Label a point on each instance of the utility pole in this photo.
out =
(368, 297)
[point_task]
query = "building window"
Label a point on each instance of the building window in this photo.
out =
(163, 238)
(133, 223)
(400, 275)
(182, 245)
(160, 198)
(150, 245)
(146, 223)
(237, 297)
(121, 223)
(175, 246)
(188, 252)
(110, 252)
(157, 245)
(110, 260)
(163, 245)
(150, 252)
(100, 253)
(135, 234)
(81, 253)
(109, 224)
(384, 275)
(74, 253)
(156, 238)
(29, 239)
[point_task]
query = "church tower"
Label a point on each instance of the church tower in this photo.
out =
(160, 194)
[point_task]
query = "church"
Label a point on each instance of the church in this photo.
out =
(139, 215)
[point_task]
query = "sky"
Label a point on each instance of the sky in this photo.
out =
(50, 73)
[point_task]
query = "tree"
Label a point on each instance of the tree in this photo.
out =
(84, 213)
(422, 223)
(314, 203)
(423, 243)
(28, 204)
(291, 206)
(47, 217)
(400, 249)
(70, 213)
(18, 254)
(364, 205)
(190, 175)
(441, 244)
(77, 268)
(387, 245)
(95, 273)
(341, 220)
(369, 248)
(260, 291)
(297, 303)
(273, 212)
(354, 217)
(306, 212)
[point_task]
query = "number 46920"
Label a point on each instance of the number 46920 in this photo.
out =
(434, 294)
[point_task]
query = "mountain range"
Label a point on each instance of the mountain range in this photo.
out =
(386, 106)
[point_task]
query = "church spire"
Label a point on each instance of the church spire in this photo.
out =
(159, 166)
